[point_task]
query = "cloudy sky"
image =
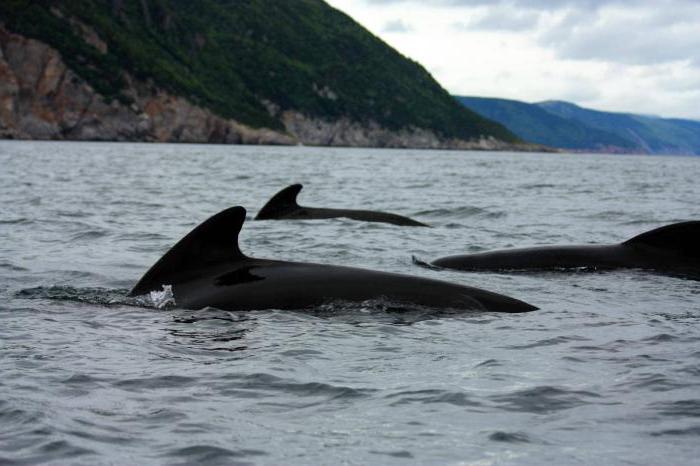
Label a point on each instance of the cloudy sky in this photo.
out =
(640, 56)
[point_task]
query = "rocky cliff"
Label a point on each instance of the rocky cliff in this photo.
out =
(41, 98)
(219, 72)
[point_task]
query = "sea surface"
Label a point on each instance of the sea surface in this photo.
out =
(606, 372)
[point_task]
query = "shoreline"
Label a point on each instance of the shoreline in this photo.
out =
(300, 146)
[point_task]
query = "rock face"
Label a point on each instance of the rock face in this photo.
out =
(344, 132)
(41, 98)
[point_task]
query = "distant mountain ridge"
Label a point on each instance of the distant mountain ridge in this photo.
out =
(253, 71)
(568, 126)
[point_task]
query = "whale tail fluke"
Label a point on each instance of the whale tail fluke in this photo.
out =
(683, 238)
(215, 241)
(282, 202)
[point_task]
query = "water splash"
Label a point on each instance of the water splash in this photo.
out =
(89, 295)
(162, 299)
(100, 296)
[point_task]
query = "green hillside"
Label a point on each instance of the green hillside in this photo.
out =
(234, 56)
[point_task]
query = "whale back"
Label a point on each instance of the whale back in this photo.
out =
(682, 238)
(212, 243)
(281, 203)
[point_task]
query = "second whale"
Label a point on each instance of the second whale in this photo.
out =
(284, 206)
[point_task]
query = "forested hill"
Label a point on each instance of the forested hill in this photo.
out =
(292, 66)
(568, 126)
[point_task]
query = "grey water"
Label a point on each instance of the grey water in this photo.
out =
(607, 371)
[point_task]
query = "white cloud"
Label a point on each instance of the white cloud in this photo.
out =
(621, 35)
(639, 56)
(397, 25)
(500, 18)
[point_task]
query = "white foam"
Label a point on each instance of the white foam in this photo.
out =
(162, 299)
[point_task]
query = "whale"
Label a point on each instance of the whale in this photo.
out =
(284, 206)
(672, 249)
(206, 268)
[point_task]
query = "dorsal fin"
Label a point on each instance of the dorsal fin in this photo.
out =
(684, 238)
(213, 242)
(280, 203)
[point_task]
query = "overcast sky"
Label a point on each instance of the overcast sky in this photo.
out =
(640, 56)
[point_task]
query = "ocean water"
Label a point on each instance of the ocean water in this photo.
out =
(607, 371)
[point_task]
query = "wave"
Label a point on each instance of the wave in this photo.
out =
(547, 342)
(691, 431)
(88, 295)
(680, 408)
(16, 221)
(461, 212)
(430, 396)
(209, 454)
(544, 399)
(10, 266)
(261, 383)
(510, 437)
(88, 235)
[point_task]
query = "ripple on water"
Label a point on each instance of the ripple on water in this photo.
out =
(209, 454)
(680, 408)
(693, 431)
(90, 295)
(16, 221)
(88, 235)
(431, 396)
(510, 437)
(263, 384)
(544, 399)
(401, 454)
(461, 212)
(660, 339)
(12, 418)
(12, 267)
(54, 451)
(692, 370)
(490, 363)
(102, 433)
(154, 383)
(655, 382)
(548, 342)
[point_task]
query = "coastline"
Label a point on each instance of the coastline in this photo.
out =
(41, 98)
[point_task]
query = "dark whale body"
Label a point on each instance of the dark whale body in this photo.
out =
(673, 249)
(283, 206)
(206, 268)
